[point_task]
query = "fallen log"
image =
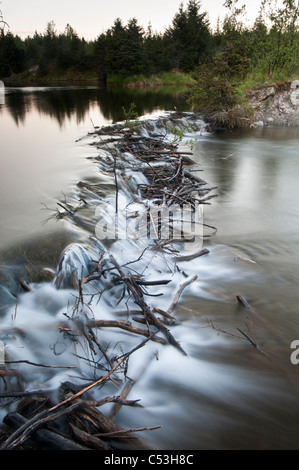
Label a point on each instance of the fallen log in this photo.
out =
(43, 437)
(88, 439)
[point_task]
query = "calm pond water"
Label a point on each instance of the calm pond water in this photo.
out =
(40, 158)
(226, 394)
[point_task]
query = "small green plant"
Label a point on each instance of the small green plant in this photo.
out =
(131, 114)
(179, 133)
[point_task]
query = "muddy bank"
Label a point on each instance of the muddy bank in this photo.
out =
(276, 104)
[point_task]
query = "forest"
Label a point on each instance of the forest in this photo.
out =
(217, 66)
(268, 49)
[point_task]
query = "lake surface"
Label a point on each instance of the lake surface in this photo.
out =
(40, 158)
(226, 394)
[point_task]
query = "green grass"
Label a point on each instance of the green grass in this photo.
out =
(67, 76)
(163, 79)
(134, 81)
(257, 81)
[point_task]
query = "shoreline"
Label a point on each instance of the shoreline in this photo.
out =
(276, 104)
(138, 81)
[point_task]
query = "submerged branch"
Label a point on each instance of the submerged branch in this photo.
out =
(179, 293)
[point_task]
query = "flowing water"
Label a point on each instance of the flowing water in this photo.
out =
(226, 393)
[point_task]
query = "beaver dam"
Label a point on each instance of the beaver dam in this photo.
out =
(68, 345)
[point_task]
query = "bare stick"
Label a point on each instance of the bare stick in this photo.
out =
(124, 325)
(149, 316)
(243, 301)
(249, 339)
(126, 431)
(24, 361)
(179, 292)
(165, 314)
(126, 390)
(202, 252)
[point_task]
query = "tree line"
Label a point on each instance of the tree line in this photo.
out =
(234, 51)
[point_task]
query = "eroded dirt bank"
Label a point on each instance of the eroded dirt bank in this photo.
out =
(276, 104)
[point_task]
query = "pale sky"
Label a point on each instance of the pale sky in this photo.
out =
(90, 18)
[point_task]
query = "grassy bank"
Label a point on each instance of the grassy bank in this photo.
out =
(68, 76)
(225, 99)
(135, 81)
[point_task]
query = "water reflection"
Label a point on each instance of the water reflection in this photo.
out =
(39, 153)
(65, 103)
(257, 216)
(269, 154)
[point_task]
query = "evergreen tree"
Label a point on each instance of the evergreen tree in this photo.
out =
(11, 54)
(70, 50)
(123, 48)
(100, 56)
(134, 47)
(33, 49)
(115, 58)
(49, 52)
(156, 54)
(190, 36)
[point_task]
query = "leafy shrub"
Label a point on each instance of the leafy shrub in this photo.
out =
(215, 91)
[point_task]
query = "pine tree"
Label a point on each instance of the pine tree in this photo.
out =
(190, 36)
(11, 55)
(122, 48)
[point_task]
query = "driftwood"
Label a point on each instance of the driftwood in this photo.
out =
(148, 314)
(77, 411)
(51, 439)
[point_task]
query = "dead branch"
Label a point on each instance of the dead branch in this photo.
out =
(124, 325)
(179, 293)
(128, 431)
(138, 295)
(24, 361)
(89, 440)
(243, 301)
(51, 439)
(192, 256)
